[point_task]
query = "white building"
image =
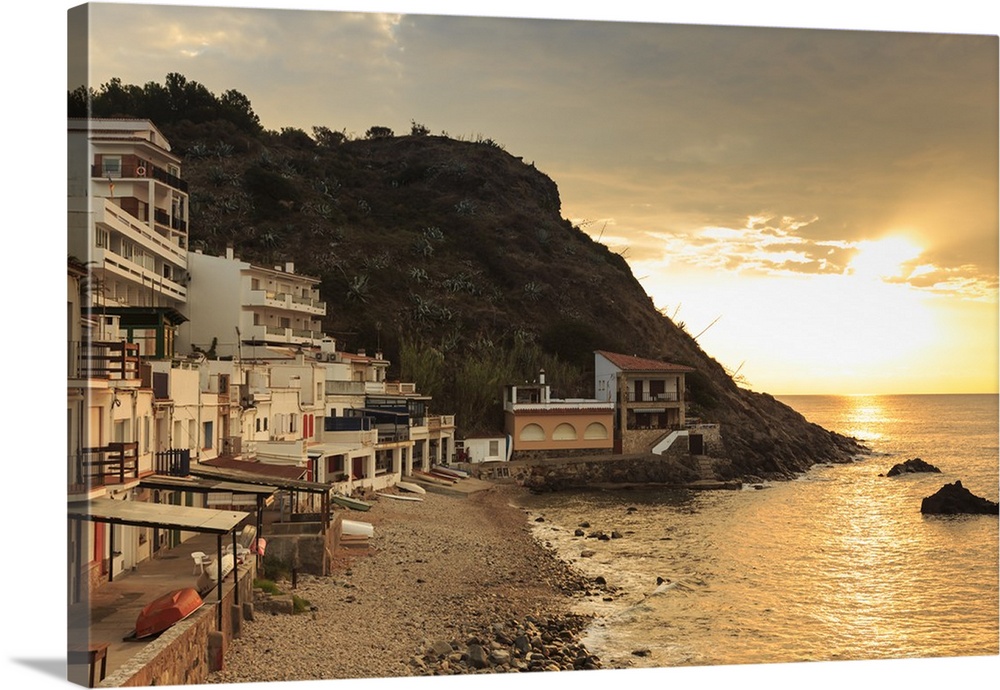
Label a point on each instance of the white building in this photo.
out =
(128, 212)
(240, 307)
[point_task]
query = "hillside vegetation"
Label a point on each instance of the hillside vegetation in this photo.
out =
(450, 256)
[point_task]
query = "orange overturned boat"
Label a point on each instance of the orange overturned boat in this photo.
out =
(161, 613)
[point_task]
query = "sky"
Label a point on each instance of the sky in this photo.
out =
(818, 207)
(665, 158)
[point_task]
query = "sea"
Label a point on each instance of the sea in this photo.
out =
(837, 564)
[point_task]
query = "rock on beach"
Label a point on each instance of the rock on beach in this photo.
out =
(491, 599)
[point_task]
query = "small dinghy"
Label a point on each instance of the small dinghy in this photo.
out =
(450, 472)
(356, 528)
(208, 580)
(400, 497)
(352, 503)
(411, 487)
(165, 611)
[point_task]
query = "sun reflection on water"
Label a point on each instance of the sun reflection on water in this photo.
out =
(865, 417)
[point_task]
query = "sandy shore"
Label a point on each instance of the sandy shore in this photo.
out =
(445, 571)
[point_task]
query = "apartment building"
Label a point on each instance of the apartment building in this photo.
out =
(241, 308)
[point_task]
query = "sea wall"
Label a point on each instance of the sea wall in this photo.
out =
(676, 466)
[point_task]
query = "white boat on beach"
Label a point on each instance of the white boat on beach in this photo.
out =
(451, 472)
(400, 497)
(412, 488)
(357, 528)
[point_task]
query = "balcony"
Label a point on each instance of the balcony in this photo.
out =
(172, 222)
(232, 447)
(174, 462)
(346, 388)
(111, 464)
(647, 397)
(107, 213)
(286, 300)
(112, 361)
(133, 170)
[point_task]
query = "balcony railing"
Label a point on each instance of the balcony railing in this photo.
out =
(232, 446)
(646, 396)
(132, 171)
(345, 388)
(117, 361)
(175, 462)
(164, 218)
(113, 463)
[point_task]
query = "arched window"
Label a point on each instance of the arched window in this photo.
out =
(532, 432)
(564, 432)
(595, 430)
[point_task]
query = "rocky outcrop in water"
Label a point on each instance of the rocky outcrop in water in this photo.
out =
(913, 465)
(954, 499)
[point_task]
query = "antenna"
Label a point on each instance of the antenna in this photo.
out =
(708, 326)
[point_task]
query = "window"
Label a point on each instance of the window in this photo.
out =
(207, 428)
(111, 166)
(595, 430)
(532, 432)
(102, 238)
(564, 432)
(119, 431)
(494, 448)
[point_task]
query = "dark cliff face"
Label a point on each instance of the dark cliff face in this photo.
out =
(425, 244)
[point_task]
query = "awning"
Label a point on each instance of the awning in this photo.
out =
(162, 515)
(206, 485)
(249, 478)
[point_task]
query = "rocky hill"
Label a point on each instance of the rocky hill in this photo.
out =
(451, 257)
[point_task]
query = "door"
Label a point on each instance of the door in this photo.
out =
(696, 442)
(357, 468)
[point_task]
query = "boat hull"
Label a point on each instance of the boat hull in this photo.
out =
(399, 497)
(412, 488)
(166, 610)
(357, 528)
(352, 503)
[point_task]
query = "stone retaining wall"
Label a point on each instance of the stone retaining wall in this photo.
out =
(304, 546)
(673, 467)
(180, 656)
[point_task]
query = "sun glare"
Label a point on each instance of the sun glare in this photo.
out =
(883, 258)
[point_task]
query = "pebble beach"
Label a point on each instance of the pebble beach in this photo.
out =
(449, 585)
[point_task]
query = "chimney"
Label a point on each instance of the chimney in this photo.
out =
(229, 252)
(361, 352)
(541, 377)
(289, 267)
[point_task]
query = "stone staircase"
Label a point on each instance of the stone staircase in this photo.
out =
(703, 464)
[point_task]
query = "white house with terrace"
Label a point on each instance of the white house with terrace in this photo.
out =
(242, 307)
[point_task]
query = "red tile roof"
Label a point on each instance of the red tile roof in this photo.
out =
(631, 363)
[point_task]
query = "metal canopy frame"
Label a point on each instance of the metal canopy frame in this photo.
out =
(261, 492)
(294, 485)
(167, 516)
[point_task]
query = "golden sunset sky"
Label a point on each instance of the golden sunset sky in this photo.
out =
(823, 202)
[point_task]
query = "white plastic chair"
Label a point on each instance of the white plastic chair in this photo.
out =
(199, 559)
